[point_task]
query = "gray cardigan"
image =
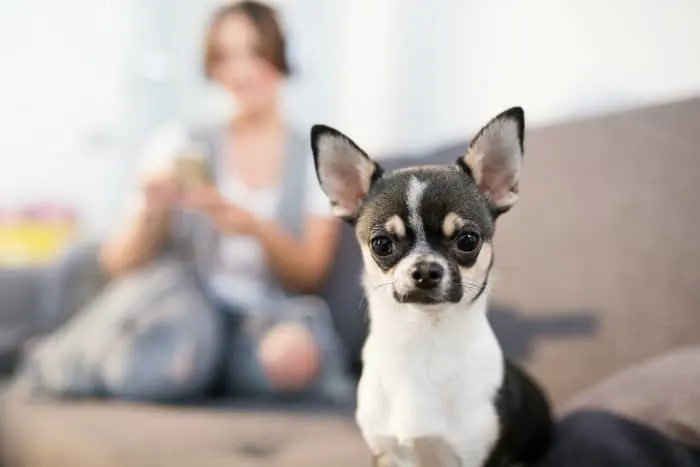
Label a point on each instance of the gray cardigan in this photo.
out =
(194, 236)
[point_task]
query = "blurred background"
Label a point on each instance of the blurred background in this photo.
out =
(597, 266)
(84, 82)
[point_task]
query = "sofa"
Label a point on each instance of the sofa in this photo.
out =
(597, 270)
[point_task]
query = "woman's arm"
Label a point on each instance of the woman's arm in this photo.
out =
(143, 233)
(300, 264)
(136, 244)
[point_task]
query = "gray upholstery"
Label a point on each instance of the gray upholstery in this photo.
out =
(38, 299)
(19, 305)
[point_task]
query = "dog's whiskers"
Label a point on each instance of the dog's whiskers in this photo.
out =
(471, 285)
(380, 286)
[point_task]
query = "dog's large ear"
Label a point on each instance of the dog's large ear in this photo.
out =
(495, 156)
(344, 171)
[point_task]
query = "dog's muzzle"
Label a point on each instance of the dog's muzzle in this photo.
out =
(424, 284)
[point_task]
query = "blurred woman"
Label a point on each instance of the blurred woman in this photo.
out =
(261, 229)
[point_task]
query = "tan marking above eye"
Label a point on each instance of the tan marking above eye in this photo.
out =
(395, 226)
(451, 224)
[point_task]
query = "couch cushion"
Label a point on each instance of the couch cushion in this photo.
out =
(120, 435)
(663, 392)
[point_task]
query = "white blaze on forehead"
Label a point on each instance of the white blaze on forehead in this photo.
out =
(414, 197)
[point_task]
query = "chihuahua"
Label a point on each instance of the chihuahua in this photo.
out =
(436, 389)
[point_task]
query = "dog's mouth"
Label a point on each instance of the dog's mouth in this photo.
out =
(420, 297)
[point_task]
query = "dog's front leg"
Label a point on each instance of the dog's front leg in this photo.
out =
(372, 414)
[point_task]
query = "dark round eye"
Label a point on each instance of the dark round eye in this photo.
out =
(382, 246)
(467, 241)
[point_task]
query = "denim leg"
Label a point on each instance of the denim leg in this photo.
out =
(333, 382)
(245, 375)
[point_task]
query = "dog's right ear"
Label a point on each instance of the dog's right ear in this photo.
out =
(344, 171)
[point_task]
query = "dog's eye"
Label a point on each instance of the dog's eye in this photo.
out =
(468, 241)
(382, 245)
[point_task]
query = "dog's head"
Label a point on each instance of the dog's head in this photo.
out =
(427, 232)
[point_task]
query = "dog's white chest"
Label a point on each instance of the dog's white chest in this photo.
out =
(431, 395)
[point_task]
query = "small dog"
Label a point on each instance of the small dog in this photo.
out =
(435, 389)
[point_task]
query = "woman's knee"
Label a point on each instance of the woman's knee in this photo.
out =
(289, 356)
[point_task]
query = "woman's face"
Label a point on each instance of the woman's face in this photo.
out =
(252, 80)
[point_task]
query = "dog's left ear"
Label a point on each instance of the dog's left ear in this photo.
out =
(495, 156)
(344, 171)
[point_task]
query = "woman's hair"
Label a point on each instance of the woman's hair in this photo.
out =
(271, 40)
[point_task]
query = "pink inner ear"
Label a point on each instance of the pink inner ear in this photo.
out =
(345, 188)
(496, 182)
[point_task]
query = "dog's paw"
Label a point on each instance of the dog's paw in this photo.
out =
(435, 451)
(409, 426)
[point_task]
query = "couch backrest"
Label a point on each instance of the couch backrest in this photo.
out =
(606, 231)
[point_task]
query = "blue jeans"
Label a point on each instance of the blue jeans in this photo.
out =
(244, 375)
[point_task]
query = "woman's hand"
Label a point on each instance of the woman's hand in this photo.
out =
(204, 199)
(141, 236)
(160, 190)
(228, 218)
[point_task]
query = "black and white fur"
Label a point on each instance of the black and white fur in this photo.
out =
(436, 389)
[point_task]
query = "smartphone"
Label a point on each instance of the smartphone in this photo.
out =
(191, 169)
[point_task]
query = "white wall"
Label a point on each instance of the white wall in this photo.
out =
(78, 95)
(563, 59)
(62, 92)
(418, 73)
(403, 75)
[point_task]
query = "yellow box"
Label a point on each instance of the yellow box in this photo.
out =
(27, 243)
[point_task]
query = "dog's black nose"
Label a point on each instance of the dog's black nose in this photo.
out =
(427, 275)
